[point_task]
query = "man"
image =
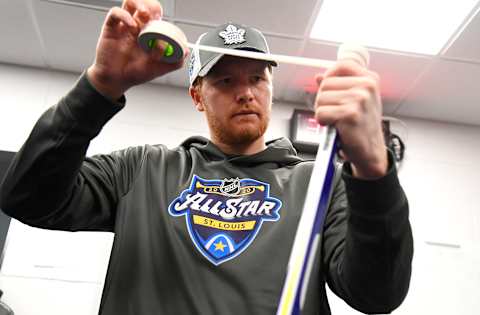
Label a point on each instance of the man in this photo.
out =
(206, 228)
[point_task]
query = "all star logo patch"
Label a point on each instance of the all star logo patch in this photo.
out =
(232, 35)
(223, 217)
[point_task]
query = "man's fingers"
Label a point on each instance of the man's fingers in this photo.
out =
(348, 82)
(172, 66)
(319, 78)
(161, 68)
(130, 6)
(145, 8)
(117, 15)
(142, 17)
(342, 155)
(158, 53)
(143, 11)
(154, 8)
(334, 97)
(329, 115)
(345, 68)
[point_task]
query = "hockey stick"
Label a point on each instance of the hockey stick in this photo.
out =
(307, 238)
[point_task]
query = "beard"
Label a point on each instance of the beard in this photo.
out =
(238, 134)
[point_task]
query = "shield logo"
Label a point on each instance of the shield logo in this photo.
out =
(230, 186)
(223, 217)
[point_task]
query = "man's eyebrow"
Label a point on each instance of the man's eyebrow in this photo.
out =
(261, 68)
(218, 72)
(257, 69)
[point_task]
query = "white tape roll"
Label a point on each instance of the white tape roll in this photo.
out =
(355, 52)
(168, 32)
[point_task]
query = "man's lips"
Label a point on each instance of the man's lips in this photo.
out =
(245, 113)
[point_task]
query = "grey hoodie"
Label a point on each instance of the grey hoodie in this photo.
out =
(200, 232)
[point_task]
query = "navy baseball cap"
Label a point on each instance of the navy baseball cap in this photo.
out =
(229, 35)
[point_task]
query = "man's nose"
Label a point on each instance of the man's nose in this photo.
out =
(244, 93)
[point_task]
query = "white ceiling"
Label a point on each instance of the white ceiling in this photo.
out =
(445, 87)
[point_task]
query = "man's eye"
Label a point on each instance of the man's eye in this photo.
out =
(257, 78)
(224, 81)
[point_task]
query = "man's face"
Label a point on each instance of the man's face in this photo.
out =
(236, 97)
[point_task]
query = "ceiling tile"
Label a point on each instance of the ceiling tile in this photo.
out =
(302, 79)
(70, 34)
(283, 72)
(192, 31)
(275, 16)
(20, 43)
(467, 45)
(168, 7)
(397, 71)
(447, 92)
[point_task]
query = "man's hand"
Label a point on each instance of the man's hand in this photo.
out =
(348, 98)
(120, 62)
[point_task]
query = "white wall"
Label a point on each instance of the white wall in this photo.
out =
(62, 273)
(440, 176)
(441, 179)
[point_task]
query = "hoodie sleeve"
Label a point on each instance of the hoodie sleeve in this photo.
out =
(50, 184)
(368, 245)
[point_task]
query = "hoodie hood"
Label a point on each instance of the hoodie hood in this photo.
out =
(279, 151)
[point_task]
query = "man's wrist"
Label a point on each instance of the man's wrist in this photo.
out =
(373, 196)
(104, 84)
(372, 169)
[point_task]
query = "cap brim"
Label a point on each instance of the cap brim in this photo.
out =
(209, 65)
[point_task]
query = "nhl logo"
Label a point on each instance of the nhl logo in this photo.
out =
(230, 186)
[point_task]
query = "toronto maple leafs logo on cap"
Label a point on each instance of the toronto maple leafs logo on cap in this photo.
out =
(233, 35)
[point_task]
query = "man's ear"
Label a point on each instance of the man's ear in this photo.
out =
(196, 97)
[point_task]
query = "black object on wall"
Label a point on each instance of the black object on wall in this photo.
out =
(305, 131)
(5, 159)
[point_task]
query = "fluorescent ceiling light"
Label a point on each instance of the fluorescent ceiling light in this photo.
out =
(418, 26)
(102, 5)
(105, 5)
